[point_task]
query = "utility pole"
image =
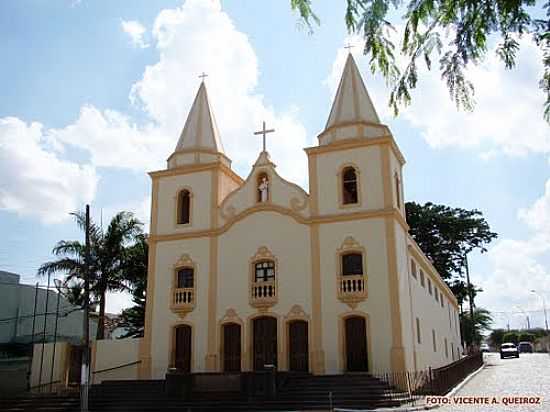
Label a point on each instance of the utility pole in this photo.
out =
(84, 376)
(470, 296)
(54, 339)
(44, 334)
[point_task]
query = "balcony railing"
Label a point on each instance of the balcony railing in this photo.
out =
(263, 294)
(183, 300)
(352, 288)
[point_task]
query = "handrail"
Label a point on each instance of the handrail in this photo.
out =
(117, 367)
(43, 384)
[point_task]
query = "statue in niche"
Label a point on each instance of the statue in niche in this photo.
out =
(263, 188)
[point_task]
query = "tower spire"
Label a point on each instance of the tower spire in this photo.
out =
(352, 103)
(200, 130)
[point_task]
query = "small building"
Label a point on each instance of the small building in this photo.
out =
(24, 320)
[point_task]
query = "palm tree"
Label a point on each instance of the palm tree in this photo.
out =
(108, 258)
(133, 319)
(482, 322)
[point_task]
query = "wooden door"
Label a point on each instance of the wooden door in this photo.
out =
(298, 346)
(356, 344)
(232, 347)
(265, 342)
(75, 365)
(183, 348)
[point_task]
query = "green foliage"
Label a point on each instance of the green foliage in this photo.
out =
(447, 234)
(469, 23)
(511, 337)
(473, 333)
(500, 336)
(133, 319)
(109, 255)
(496, 338)
(526, 337)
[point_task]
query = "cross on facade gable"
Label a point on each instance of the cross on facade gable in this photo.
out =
(203, 76)
(349, 46)
(264, 132)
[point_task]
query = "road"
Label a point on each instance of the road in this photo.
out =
(507, 379)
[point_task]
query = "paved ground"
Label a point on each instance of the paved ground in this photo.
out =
(528, 376)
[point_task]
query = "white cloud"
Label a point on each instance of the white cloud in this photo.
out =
(507, 118)
(518, 266)
(113, 140)
(196, 37)
(34, 180)
(136, 31)
(538, 215)
(199, 37)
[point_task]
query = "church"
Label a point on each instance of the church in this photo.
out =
(255, 272)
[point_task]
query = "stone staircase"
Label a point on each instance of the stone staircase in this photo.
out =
(296, 392)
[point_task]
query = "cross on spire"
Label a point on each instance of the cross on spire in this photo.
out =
(203, 76)
(264, 132)
(349, 46)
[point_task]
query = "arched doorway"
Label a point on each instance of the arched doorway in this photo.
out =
(231, 347)
(182, 348)
(264, 342)
(298, 352)
(356, 344)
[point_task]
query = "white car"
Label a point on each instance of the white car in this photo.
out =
(484, 348)
(508, 350)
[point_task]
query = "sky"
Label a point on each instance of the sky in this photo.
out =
(94, 95)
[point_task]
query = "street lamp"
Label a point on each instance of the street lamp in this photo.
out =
(544, 308)
(526, 316)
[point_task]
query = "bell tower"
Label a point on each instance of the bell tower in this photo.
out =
(357, 166)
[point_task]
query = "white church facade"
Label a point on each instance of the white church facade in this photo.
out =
(245, 273)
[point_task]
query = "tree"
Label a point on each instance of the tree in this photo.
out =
(108, 258)
(511, 337)
(447, 234)
(456, 32)
(526, 337)
(133, 318)
(496, 338)
(472, 334)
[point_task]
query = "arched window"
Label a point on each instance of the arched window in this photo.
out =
(184, 207)
(352, 264)
(183, 289)
(398, 191)
(349, 186)
(263, 279)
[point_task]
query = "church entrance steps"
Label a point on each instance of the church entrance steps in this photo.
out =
(295, 393)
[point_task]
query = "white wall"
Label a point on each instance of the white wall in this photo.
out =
(112, 353)
(432, 317)
(368, 160)
(200, 186)
(370, 234)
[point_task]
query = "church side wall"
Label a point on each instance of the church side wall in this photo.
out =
(370, 234)
(405, 302)
(432, 316)
(164, 320)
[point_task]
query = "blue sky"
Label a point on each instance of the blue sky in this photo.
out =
(94, 94)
